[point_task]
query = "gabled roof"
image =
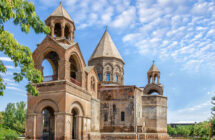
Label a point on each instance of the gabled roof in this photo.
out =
(60, 12)
(64, 43)
(106, 48)
(153, 68)
(89, 68)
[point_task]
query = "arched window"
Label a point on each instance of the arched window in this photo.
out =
(57, 30)
(48, 123)
(75, 124)
(47, 68)
(108, 77)
(105, 116)
(73, 68)
(75, 74)
(122, 116)
(116, 78)
(99, 76)
(114, 108)
(92, 83)
(67, 32)
(50, 66)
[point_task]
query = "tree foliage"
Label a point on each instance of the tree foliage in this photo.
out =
(213, 108)
(197, 130)
(14, 116)
(22, 13)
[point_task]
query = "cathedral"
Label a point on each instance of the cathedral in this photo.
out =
(80, 102)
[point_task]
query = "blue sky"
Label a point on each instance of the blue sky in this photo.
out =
(178, 35)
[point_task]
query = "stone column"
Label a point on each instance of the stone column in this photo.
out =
(39, 126)
(62, 69)
(31, 126)
(52, 30)
(84, 128)
(71, 35)
(59, 125)
(62, 30)
(79, 123)
(153, 78)
(158, 79)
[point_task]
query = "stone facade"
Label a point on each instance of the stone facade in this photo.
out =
(91, 102)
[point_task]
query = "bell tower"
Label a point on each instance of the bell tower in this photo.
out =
(153, 100)
(62, 111)
(153, 74)
(61, 24)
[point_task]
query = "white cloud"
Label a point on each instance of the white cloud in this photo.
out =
(196, 113)
(17, 91)
(5, 59)
(10, 67)
(165, 31)
(127, 18)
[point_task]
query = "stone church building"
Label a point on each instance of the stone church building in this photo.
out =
(91, 102)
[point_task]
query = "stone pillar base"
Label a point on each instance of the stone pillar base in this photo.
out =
(133, 136)
(94, 136)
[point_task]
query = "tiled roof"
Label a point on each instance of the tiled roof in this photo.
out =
(106, 48)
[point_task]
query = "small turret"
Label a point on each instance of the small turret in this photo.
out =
(153, 74)
(61, 24)
(153, 85)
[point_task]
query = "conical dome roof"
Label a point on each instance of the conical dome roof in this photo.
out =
(60, 12)
(153, 68)
(106, 48)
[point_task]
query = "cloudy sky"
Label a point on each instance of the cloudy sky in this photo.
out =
(177, 34)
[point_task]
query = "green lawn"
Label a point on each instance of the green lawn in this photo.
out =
(7, 134)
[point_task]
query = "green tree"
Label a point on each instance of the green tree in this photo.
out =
(14, 116)
(171, 131)
(22, 13)
(9, 116)
(212, 121)
(182, 131)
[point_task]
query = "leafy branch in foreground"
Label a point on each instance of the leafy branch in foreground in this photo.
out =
(22, 13)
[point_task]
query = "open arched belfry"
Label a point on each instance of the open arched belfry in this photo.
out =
(91, 102)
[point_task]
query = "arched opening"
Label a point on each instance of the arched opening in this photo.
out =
(47, 68)
(156, 78)
(114, 108)
(116, 78)
(150, 79)
(75, 75)
(105, 116)
(122, 116)
(155, 93)
(75, 123)
(48, 123)
(67, 32)
(50, 66)
(93, 85)
(57, 30)
(99, 76)
(108, 77)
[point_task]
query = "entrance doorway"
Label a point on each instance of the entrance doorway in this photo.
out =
(48, 123)
(74, 124)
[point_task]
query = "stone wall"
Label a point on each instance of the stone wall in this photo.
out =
(109, 65)
(95, 115)
(116, 100)
(155, 113)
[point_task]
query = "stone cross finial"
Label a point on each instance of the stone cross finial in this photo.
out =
(106, 27)
(153, 61)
